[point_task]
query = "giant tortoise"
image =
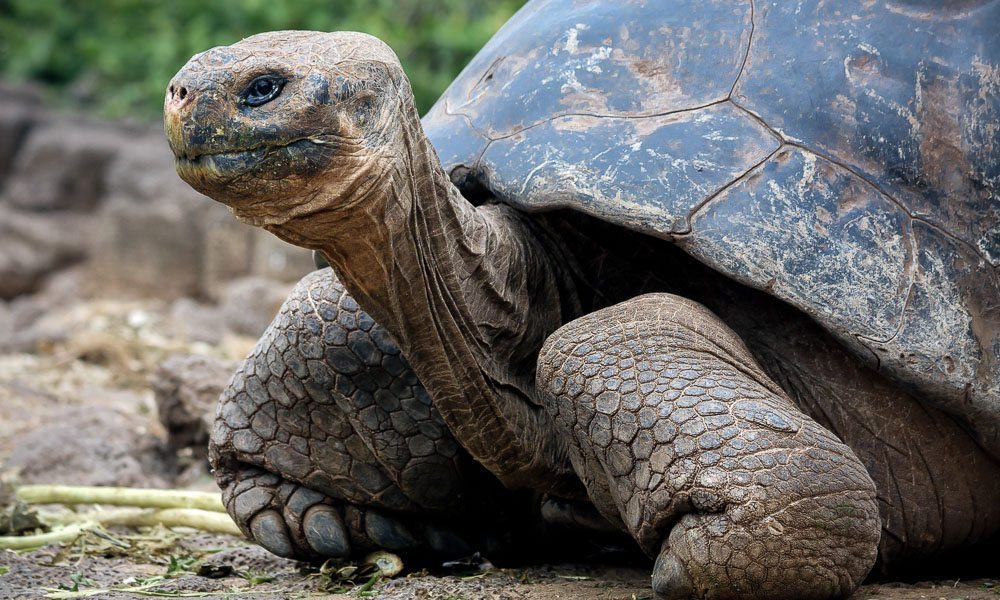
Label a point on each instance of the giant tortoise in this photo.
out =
(719, 276)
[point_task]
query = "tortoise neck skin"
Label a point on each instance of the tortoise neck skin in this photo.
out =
(341, 165)
(469, 295)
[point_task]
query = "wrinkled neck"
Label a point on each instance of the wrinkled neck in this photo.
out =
(469, 293)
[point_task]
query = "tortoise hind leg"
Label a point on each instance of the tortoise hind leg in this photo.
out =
(326, 444)
(683, 441)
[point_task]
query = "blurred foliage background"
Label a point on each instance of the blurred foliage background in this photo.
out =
(116, 56)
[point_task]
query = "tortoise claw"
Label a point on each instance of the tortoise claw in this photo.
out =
(389, 533)
(325, 533)
(670, 578)
(268, 529)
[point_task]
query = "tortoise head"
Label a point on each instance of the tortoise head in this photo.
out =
(288, 123)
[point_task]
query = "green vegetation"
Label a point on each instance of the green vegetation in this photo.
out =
(116, 56)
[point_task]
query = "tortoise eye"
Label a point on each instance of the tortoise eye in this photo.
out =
(262, 90)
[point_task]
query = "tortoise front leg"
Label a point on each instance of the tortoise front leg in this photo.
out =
(684, 442)
(326, 444)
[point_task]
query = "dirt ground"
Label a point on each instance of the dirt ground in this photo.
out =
(250, 572)
(77, 407)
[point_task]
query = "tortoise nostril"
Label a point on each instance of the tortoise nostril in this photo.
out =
(178, 95)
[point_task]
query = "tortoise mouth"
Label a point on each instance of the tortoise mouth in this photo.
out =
(240, 162)
(269, 161)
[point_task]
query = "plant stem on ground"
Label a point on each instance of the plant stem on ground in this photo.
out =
(67, 494)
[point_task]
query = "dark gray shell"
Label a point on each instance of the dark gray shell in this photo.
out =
(843, 156)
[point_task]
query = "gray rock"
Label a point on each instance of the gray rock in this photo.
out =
(144, 172)
(197, 321)
(228, 250)
(33, 246)
(276, 259)
(20, 330)
(187, 388)
(149, 250)
(63, 166)
(92, 446)
(160, 238)
(18, 113)
(6, 321)
(250, 303)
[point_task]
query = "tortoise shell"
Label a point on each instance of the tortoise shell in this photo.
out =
(842, 156)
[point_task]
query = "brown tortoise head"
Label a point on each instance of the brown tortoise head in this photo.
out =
(288, 123)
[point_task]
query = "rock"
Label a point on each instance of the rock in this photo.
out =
(6, 321)
(24, 312)
(92, 446)
(228, 251)
(21, 93)
(18, 113)
(250, 303)
(276, 259)
(33, 246)
(197, 321)
(149, 243)
(149, 250)
(144, 171)
(63, 166)
(187, 388)
(161, 238)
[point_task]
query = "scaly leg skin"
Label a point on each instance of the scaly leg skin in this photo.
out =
(929, 508)
(684, 442)
(326, 444)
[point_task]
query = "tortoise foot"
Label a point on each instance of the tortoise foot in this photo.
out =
(798, 546)
(286, 518)
(293, 521)
(683, 441)
(326, 444)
